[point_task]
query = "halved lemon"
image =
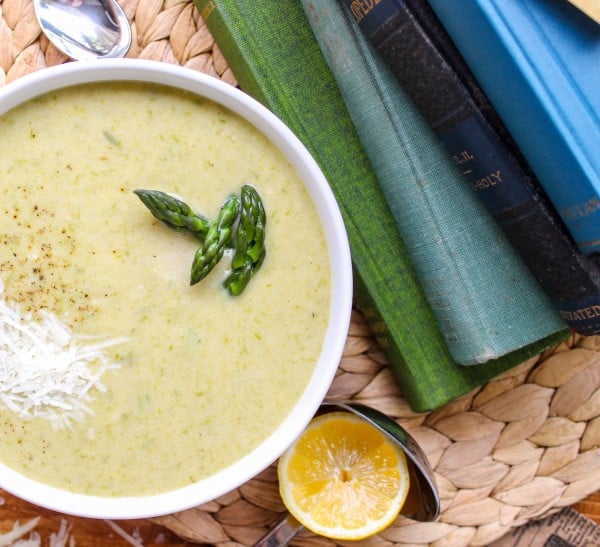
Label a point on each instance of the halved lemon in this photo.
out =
(343, 478)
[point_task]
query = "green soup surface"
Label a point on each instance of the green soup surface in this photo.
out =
(204, 377)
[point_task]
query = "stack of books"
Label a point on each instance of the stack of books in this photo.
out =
(464, 266)
(512, 40)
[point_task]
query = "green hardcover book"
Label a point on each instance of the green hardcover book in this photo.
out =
(486, 301)
(275, 57)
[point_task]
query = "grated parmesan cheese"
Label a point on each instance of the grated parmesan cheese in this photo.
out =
(18, 531)
(47, 371)
(15, 538)
(60, 538)
(134, 539)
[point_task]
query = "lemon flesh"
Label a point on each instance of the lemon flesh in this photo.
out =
(343, 478)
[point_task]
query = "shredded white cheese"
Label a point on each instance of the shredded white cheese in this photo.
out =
(131, 539)
(18, 531)
(15, 538)
(60, 538)
(47, 371)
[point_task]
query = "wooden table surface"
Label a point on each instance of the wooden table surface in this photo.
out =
(97, 533)
(590, 507)
(86, 532)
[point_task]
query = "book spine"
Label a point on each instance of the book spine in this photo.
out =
(503, 183)
(548, 53)
(429, 200)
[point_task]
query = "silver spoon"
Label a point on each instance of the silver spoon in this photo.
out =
(85, 29)
(421, 474)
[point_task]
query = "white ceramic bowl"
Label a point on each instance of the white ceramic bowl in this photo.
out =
(235, 475)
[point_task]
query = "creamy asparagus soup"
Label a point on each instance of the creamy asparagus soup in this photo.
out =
(119, 377)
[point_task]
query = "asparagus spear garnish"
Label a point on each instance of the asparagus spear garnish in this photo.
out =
(250, 245)
(217, 237)
(174, 213)
(238, 279)
(247, 236)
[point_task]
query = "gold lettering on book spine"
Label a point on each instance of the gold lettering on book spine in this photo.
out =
(580, 210)
(491, 179)
(361, 8)
(462, 157)
(463, 160)
(590, 312)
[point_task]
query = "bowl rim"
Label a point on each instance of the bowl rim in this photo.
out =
(137, 70)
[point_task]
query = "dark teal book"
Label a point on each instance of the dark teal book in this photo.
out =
(485, 300)
(545, 85)
(413, 43)
(271, 49)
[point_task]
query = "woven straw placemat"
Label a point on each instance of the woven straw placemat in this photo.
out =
(517, 449)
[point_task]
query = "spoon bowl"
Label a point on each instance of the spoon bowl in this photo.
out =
(85, 29)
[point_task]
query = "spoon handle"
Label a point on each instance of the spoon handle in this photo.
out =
(282, 534)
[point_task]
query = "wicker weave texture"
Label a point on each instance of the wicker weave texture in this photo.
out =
(517, 449)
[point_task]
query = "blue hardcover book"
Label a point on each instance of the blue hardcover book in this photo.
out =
(538, 61)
